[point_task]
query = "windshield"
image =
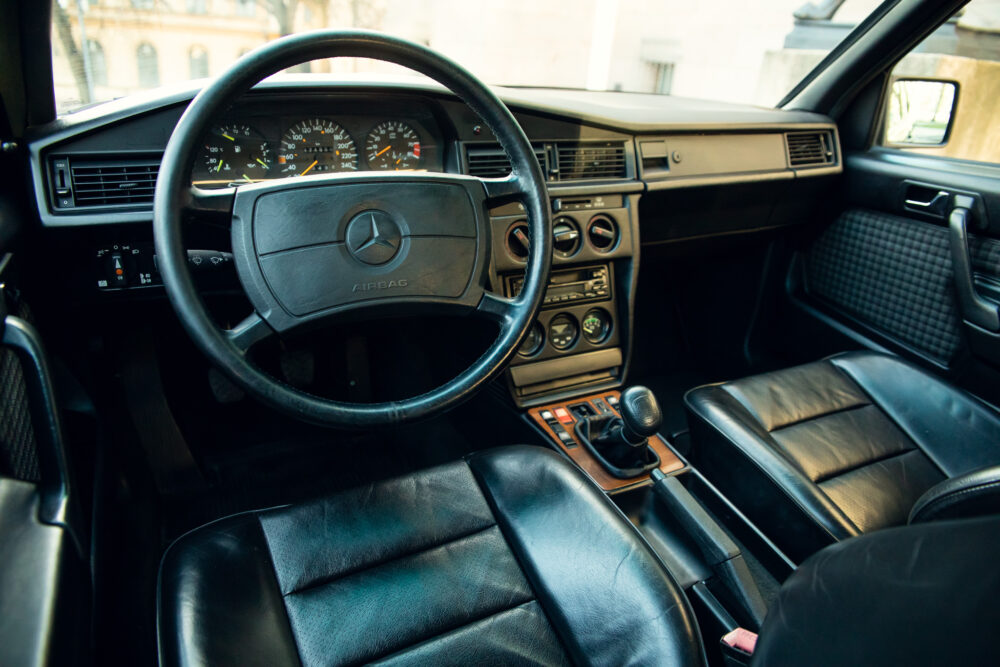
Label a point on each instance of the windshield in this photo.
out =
(727, 50)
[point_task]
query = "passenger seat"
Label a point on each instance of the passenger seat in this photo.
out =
(844, 446)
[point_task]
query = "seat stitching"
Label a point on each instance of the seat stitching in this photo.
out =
(903, 429)
(819, 416)
(529, 575)
(277, 585)
(444, 633)
(808, 512)
(323, 581)
(865, 464)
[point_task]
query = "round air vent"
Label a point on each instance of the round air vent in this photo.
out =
(517, 240)
(602, 232)
(565, 237)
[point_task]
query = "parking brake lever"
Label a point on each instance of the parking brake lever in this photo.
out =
(974, 308)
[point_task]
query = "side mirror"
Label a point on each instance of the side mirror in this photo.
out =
(920, 112)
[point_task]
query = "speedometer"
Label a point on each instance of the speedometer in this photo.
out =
(393, 145)
(316, 146)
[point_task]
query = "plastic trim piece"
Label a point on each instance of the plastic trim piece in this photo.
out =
(56, 506)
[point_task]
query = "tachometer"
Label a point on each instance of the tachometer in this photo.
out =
(316, 146)
(393, 145)
(233, 153)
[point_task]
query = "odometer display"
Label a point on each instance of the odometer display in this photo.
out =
(394, 146)
(316, 146)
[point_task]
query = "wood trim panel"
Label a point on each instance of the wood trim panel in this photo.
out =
(669, 462)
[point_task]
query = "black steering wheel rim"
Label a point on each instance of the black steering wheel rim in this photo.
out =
(173, 196)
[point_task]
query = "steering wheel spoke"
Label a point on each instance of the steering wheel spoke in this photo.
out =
(250, 331)
(497, 308)
(210, 201)
(504, 190)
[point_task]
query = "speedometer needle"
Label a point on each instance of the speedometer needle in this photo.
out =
(383, 150)
(306, 170)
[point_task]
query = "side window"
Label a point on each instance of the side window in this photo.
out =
(942, 96)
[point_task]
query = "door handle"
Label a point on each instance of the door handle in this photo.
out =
(938, 200)
(975, 309)
(924, 199)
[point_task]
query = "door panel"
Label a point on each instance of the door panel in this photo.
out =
(892, 274)
(891, 268)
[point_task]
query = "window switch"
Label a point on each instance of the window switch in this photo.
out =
(564, 437)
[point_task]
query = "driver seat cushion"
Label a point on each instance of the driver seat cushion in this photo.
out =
(509, 556)
(833, 449)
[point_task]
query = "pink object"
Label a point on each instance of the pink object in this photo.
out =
(741, 639)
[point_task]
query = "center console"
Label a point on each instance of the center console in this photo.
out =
(581, 339)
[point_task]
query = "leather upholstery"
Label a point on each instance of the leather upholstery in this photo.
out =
(974, 494)
(840, 447)
(918, 595)
(511, 556)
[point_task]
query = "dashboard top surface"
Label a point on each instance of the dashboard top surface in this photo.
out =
(283, 127)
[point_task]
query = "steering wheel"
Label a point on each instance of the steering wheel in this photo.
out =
(311, 249)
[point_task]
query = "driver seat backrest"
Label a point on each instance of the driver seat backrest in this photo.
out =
(511, 555)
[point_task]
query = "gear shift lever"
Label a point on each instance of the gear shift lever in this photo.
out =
(641, 415)
(619, 443)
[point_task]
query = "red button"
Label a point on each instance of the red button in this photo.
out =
(563, 415)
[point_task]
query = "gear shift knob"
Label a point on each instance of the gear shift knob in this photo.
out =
(640, 413)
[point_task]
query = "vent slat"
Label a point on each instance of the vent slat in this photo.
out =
(117, 183)
(810, 149)
(590, 161)
(491, 162)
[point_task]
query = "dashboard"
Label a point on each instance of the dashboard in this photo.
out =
(623, 172)
(262, 140)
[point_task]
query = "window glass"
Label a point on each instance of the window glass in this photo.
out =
(729, 50)
(147, 65)
(952, 79)
(198, 62)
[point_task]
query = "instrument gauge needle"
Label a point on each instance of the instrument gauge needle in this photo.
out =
(306, 170)
(383, 150)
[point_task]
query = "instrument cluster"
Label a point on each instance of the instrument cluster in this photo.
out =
(258, 145)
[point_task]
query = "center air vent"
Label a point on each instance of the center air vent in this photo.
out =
(810, 149)
(602, 232)
(113, 182)
(517, 240)
(585, 161)
(492, 162)
(565, 237)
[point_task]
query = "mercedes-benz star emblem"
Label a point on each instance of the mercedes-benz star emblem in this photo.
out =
(373, 237)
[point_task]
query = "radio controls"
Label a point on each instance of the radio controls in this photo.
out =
(570, 285)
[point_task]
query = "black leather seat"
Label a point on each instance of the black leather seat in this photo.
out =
(844, 446)
(510, 556)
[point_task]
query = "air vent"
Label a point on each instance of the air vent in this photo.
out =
(565, 237)
(492, 162)
(113, 182)
(810, 149)
(602, 232)
(517, 240)
(586, 161)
